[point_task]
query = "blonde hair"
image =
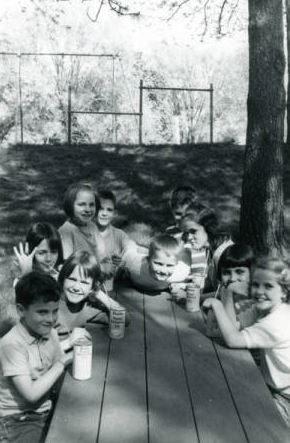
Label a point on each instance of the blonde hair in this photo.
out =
(165, 243)
(280, 268)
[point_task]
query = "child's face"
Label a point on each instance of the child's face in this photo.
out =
(197, 235)
(84, 207)
(178, 212)
(162, 265)
(106, 213)
(77, 286)
(39, 317)
(45, 258)
(237, 274)
(265, 290)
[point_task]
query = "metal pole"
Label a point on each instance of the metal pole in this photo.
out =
(114, 138)
(69, 116)
(16, 112)
(140, 111)
(211, 112)
(20, 98)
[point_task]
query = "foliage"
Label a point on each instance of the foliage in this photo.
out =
(153, 46)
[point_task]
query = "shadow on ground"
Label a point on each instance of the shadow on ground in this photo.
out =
(34, 178)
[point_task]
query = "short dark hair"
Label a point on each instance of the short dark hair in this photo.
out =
(85, 260)
(36, 286)
(107, 194)
(235, 256)
(45, 231)
(209, 220)
(182, 195)
(71, 195)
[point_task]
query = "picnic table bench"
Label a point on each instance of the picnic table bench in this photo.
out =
(165, 382)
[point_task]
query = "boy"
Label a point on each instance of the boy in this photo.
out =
(31, 360)
(155, 272)
(182, 197)
(112, 242)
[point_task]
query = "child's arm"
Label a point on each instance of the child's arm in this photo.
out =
(231, 335)
(228, 303)
(231, 294)
(105, 299)
(33, 390)
(182, 268)
(24, 259)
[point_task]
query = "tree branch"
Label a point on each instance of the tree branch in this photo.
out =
(177, 9)
(98, 12)
(117, 7)
(221, 16)
(205, 18)
(233, 11)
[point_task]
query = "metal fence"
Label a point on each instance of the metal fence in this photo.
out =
(140, 114)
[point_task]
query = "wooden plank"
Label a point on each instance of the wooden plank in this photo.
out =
(124, 415)
(215, 414)
(78, 408)
(259, 415)
(170, 413)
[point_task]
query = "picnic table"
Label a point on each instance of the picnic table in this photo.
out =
(165, 381)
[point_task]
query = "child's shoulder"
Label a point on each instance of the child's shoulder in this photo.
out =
(12, 334)
(283, 312)
(17, 338)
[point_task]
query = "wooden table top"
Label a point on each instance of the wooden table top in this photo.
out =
(165, 381)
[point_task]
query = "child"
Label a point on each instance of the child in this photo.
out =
(270, 288)
(31, 360)
(182, 197)
(42, 250)
(233, 272)
(83, 301)
(112, 242)
(79, 232)
(154, 272)
(202, 234)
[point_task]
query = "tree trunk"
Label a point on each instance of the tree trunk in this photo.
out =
(288, 64)
(262, 221)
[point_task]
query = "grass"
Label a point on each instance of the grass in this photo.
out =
(33, 180)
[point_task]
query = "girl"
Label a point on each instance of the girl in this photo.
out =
(270, 289)
(202, 235)
(83, 301)
(234, 274)
(41, 251)
(79, 232)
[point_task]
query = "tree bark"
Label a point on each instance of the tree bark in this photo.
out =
(287, 3)
(262, 221)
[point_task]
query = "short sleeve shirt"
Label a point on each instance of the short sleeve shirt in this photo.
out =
(272, 335)
(23, 354)
(113, 241)
(75, 238)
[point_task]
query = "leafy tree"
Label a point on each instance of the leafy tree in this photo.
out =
(262, 222)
